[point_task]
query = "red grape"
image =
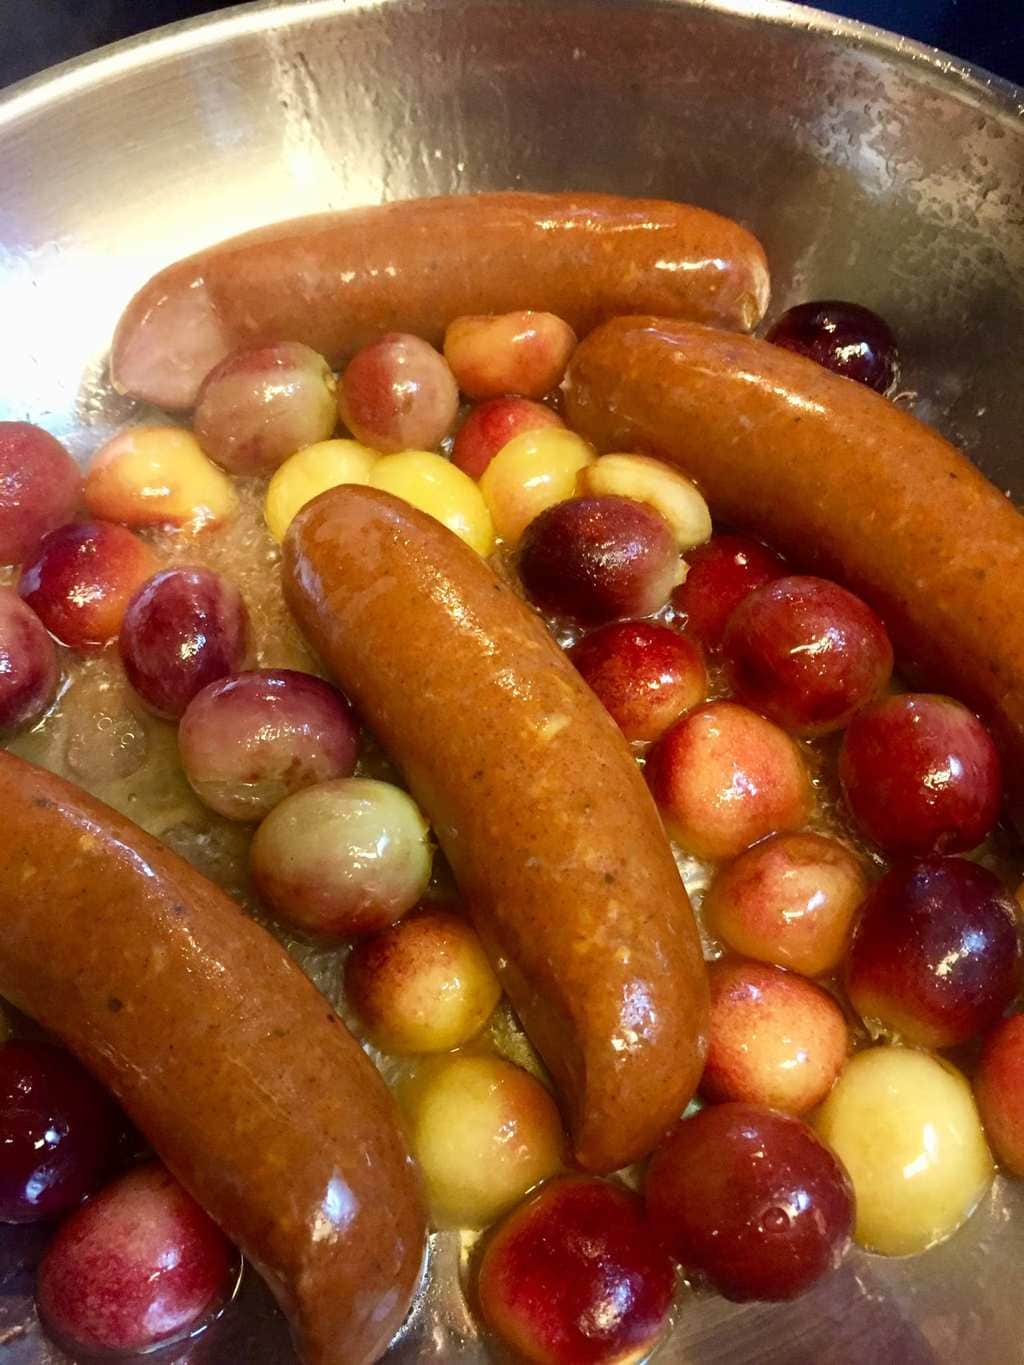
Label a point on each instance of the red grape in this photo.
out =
(28, 663)
(80, 579)
(183, 629)
(574, 1277)
(58, 1132)
(250, 739)
(999, 1089)
(398, 394)
(751, 1199)
(921, 774)
(725, 777)
(721, 574)
(935, 956)
(645, 675)
(846, 338)
(259, 406)
(789, 900)
(774, 1037)
(40, 486)
(491, 425)
(135, 1268)
(807, 654)
(598, 559)
(522, 353)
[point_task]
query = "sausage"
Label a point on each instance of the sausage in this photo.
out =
(840, 480)
(222, 1052)
(338, 280)
(535, 798)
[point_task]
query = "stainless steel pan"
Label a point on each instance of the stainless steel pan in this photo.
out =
(872, 168)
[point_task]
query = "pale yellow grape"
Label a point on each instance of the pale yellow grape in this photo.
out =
(905, 1126)
(158, 476)
(532, 472)
(659, 485)
(310, 472)
(484, 1133)
(434, 485)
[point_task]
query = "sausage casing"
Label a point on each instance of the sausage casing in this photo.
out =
(838, 478)
(535, 798)
(222, 1052)
(339, 280)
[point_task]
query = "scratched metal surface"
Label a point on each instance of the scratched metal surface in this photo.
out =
(871, 168)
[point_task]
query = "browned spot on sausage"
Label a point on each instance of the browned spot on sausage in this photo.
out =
(114, 1005)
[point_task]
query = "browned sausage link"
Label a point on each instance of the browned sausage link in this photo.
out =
(221, 1051)
(836, 477)
(535, 799)
(338, 280)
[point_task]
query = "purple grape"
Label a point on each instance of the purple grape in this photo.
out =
(249, 740)
(58, 1130)
(183, 629)
(846, 338)
(28, 663)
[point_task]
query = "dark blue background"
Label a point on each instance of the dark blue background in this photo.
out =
(36, 33)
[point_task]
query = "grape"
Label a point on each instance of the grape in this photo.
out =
(259, 406)
(921, 774)
(533, 471)
(789, 900)
(775, 1038)
(721, 575)
(398, 394)
(725, 777)
(658, 485)
(646, 675)
(807, 654)
(342, 858)
(999, 1090)
(81, 578)
(58, 1132)
(28, 664)
(904, 1125)
(137, 1267)
(250, 739)
(491, 425)
(751, 1199)
(846, 338)
(599, 559)
(484, 1132)
(508, 353)
(183, 629)
(574, 1275)
(935, 956)
(423, 985)
(158, 476)
(40, 486)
